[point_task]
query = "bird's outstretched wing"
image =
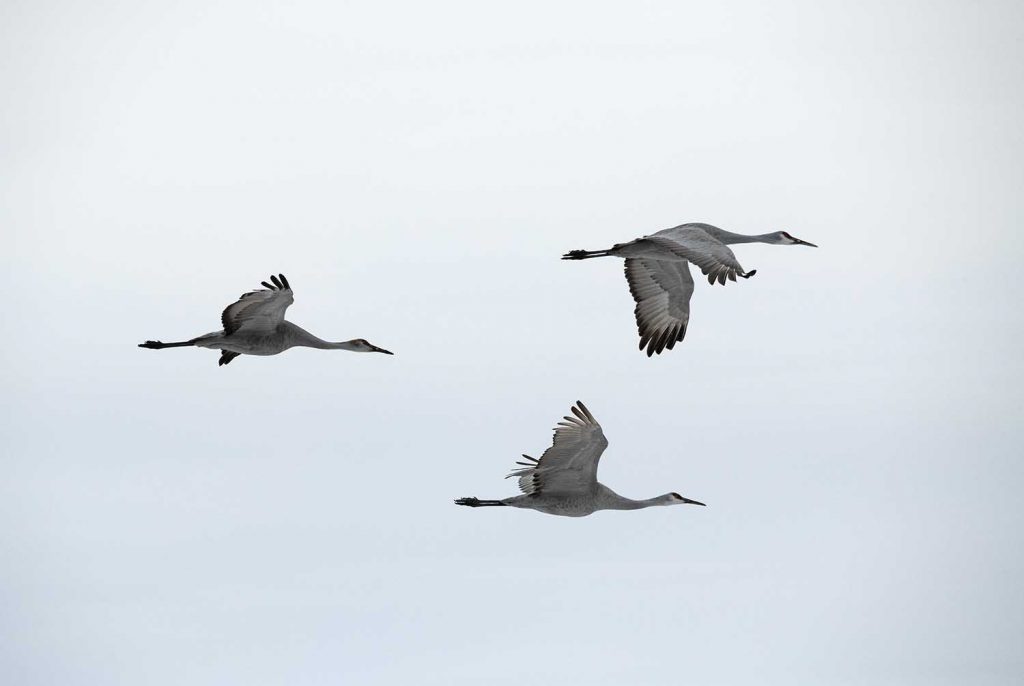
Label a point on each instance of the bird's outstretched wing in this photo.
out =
(259, 311)
(714, 258)
(662, 293)
(570, 464)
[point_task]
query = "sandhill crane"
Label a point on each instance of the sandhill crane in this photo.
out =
(255, 325)
(564, 480)
(658, 272)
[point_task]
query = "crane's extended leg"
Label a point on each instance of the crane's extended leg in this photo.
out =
(157, 345)
(585, 254)
(747, 275)
(476, 502)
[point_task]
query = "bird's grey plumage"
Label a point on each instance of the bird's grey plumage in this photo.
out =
(662, 293)
(259, 312)
(715, 260)
(255, 325)
(564, 480)
(659, 276)
(570, 464)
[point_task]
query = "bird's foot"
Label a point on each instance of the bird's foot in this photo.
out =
(747, 275)
(155, 345)
(476, 502)
(575, 255)
(586, 254)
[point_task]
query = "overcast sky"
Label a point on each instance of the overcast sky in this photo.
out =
(851, 415)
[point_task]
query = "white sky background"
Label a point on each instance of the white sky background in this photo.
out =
(852, 415)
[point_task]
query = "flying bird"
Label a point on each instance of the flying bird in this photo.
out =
(564, 480)
(658, 272)
(255, 325)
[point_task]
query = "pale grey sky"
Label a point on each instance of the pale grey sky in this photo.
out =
(852, 415)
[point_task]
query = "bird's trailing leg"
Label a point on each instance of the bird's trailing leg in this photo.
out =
(476, 502)
(585, 254)
(747, 275)
(158, 345)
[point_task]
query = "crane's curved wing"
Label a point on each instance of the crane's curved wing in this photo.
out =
(714, 258)
(570, 464)
(662, 293)
(259, 311)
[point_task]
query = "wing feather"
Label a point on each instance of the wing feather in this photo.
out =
(259, 311)
(570, 464)
(662, 293)
(715, 260)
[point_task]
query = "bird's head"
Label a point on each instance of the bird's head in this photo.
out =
(361, 345)
(784, 238)
(676, 499)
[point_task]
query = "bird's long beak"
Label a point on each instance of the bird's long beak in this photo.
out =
(381, 350)
(693, 502)
(800, 242)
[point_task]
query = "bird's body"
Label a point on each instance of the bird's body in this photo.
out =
(284, 336)
(658, 273)
(581, 504)
(564, 480)
(255, 325)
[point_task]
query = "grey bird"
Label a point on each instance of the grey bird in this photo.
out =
(658, 272)
(564, 480)
(255, 325)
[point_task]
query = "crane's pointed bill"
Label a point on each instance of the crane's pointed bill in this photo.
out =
(693, 502)
(800, 242)
(380, 350)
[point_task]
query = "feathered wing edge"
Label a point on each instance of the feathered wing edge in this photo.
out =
(659, 327)
(278, 283)
(530, 475)
(225, 357)
(716, 267)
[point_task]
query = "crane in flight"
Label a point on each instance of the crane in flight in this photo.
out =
(255, 325)
(564, 480)
(658, 273)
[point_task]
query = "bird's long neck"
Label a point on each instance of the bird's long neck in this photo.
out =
(630, 504)
(614, 501)
(729, 238)
(299, 337)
